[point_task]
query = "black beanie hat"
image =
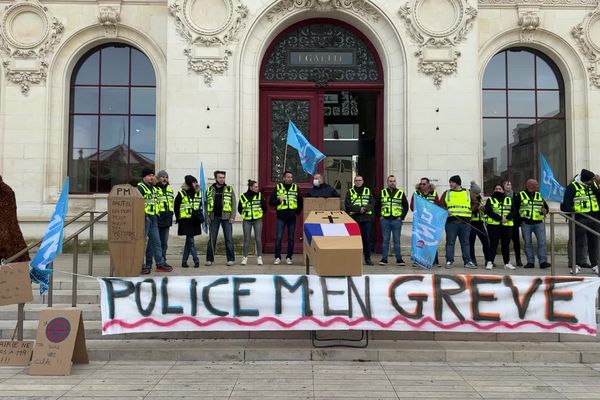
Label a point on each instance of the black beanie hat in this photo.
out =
(455, 179)
(147, 171)
(586, 175)
(189, 180)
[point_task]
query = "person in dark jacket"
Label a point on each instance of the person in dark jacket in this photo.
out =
(500, 216)
(189, 218)
(360, 204)
(252, 208)
(392, 206)
(478, 229)
(164, 199)
(288, 201)
(515, 234)
(321, 189)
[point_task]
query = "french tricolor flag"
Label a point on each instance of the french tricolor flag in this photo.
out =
(311, 229)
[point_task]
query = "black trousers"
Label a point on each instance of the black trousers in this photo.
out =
(502, 234)
(516, 240)
(366, 227)
(584, 240)
(478, 231)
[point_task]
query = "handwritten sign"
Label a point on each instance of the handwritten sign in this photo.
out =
(415, 302)
(60, 342)
(15, 284)
(15, 352)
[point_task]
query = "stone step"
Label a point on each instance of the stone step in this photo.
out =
(302, 350)
(63, 296)
(91, 312)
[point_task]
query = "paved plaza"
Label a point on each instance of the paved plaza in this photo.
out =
(307, 380)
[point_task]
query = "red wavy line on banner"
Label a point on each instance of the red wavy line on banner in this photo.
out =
(345, 321)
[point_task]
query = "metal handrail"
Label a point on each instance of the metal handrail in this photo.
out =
(569, 216)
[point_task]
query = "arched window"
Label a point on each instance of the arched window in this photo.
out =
(112, 127)
(523, 117)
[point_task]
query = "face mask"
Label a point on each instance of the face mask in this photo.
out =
(315, 182)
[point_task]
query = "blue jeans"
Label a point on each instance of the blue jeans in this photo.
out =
(291, 232)
(189, 248)
(539, 230)
(153, 246)
(391, 227)
(212, 240)
(463, 231)
(163, 232)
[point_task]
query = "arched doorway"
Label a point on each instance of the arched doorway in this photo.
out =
(327, 78)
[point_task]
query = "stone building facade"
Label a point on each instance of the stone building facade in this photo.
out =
(97, 89)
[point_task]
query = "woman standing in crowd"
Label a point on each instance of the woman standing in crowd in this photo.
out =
(500, 217)
(252, 207)
(189, 217)
(515, 235)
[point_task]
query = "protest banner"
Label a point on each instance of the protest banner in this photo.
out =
(15, 353)
(415, 302)
(59, 342)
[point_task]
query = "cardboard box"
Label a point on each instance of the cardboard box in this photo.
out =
(336, 250)
(321, 204)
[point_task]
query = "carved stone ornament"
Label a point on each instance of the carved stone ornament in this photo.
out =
(359, 7)
(27, 38)
(529, 21)
(109, 17)
(437, 27)
(587, 36)
(546, 3)
(208, 27)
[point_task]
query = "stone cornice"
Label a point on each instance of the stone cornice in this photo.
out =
(538, 3)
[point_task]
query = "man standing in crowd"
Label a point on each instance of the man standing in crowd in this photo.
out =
(500, 216)
(426, 190)
(220, 206)
(321, 189)
(189, 217)
(532, 209)
(393, 207)
(252, 208)
(359, 203)
(515, 234)
(459, 203)
(581, 197)
(165, 198)
(478, 227)
(153, 246)
(288, 201)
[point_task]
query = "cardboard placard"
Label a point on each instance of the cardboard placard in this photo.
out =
(15, 284)
(59, 342)
(320, 204)
(126, 230)
(15, 353)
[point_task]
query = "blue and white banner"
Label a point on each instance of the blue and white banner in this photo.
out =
(428, 224)
(550, 189)
(51, 243)
(310, 156)
(203, 190)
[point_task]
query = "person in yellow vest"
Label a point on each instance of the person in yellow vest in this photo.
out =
(165, 198)
(516, 227)
(460, 205)
(288, 201)
(392, 206)
(500, 219)
(581, 197)
(252, 208)
(220, 207)
(532, 209)
(189, 218)
(426, 190)
(478, 229)
(360, 204)
(153, 246)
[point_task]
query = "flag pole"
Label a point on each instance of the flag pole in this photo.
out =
(285, 157)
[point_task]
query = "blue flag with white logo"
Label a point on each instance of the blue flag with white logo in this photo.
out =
(51, 243)
(203, 190)
(428, 224)
(550, 189)
(310, 156)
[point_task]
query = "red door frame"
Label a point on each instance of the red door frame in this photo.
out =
(301, 90)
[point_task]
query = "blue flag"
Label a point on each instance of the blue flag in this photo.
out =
(550, 189)
(310, 156)
(203, 190)
(428, 224)
(51, 243)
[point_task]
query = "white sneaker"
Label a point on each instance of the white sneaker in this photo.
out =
(508, 265)
(489, 265)
(208, 263)
(288, 261)
(230, 263)
(448, 264)
(277, 261)
(244, 260)
(595, 269)
(259, 260)
(577, 269)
